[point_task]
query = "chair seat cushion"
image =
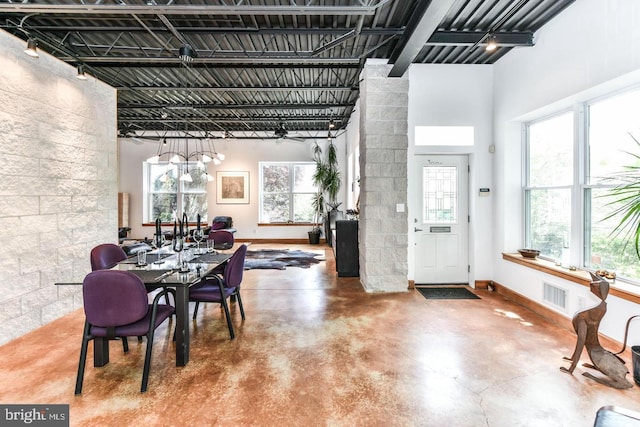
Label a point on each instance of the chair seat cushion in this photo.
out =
(209, 291)
(139, 328)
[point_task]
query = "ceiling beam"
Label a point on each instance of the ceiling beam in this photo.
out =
(475, 38)
(314, 106)
(421, 27)
(110, 9)
(275, 61)
(90, 28)
(238, 88)
(249, 119)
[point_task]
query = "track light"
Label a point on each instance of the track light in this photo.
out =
(187, 53)
(32, 47)
(81, 75)
(491, 43)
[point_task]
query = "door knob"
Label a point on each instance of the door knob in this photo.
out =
(417, 229)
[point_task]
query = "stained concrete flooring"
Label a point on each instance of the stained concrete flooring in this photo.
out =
(316, 350)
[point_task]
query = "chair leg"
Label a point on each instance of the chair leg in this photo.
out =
(125, 344)
(228, 316)
(240, 304)
(83, 358)
(147, 362)
(195, 310)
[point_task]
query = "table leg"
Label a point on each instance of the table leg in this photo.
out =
(100, 352)
(182, 325)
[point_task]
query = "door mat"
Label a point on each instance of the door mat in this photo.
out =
(441, 284)
(447, 293)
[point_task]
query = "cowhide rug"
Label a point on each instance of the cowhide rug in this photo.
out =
(277, 259)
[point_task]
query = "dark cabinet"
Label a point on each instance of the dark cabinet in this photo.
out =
(345, 248)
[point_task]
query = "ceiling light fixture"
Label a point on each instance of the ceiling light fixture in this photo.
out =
(172, 153)
(491, 43)
(81, 75)
(32, 47)
(187, 53)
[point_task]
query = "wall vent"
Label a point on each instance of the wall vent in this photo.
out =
(555, 296)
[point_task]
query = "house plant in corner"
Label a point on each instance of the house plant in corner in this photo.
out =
(317, 205)
(327, 181)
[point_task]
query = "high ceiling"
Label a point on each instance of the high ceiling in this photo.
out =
(262, 68)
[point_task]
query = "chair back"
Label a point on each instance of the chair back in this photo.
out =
(114, 298)
(235, 268)
(221, 236)
(106, 256)
(221, 222)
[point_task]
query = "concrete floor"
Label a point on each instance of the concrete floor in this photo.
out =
(315, 350)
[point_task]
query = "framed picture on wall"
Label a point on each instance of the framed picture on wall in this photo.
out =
(232, 187)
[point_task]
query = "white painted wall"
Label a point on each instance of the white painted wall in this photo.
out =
(454, 95)
(241, 155)
(58, 184)
(591, 48)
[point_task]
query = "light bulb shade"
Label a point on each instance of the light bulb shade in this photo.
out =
(220, 156)
(208, 177)
(200, 165)
(186, 177)
(187, 53)
(81, 75)
(164, 177)
(32, 47)
(175, 159)
(216, 161)
(206, 159)
(153, 160)
(491, 44)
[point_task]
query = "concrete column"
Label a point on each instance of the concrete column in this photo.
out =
(383, 179)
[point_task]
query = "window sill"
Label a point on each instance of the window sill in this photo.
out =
(582, 277)
(285, 224)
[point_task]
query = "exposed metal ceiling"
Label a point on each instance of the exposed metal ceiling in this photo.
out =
(262, 65)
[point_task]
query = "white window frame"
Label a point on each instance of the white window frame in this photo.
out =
(291, 192)
(180, 191)
(580, 221)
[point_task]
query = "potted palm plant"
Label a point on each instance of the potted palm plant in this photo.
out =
(317, 205)
(626, 199)
(327, 181)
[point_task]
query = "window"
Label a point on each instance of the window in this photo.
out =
(548, 192)
(286, 192)
(613, 125)
(566, 210)
(166, 195)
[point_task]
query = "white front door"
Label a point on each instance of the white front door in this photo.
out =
(442, 224)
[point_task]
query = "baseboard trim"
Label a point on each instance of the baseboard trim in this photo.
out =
(288, 241)
(483, 284)
(553, 317)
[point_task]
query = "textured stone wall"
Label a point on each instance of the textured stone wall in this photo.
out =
(383, 179)
(58, 184)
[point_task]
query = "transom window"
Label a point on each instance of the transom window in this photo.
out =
(166, 195)
(286, 192)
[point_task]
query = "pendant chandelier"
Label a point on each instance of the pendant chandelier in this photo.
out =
(176, 151)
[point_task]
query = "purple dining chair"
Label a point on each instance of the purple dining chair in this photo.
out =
(222, 238)
(217, 289)
(116, 306)
(106, 256)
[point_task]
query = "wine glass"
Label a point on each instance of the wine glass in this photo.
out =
(178, 248)
(198, 236)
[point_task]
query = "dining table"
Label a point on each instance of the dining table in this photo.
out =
(164, 269)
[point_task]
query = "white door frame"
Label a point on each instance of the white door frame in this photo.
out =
(413, 210)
